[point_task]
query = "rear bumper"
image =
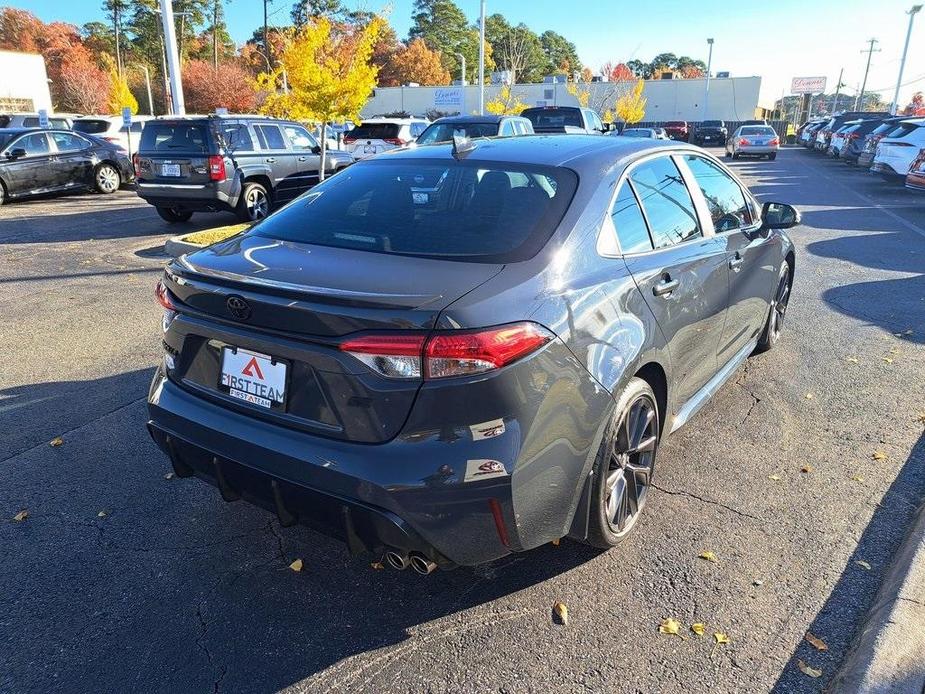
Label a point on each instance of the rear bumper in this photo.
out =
(753, 149)
(887, 171)
(205, 197)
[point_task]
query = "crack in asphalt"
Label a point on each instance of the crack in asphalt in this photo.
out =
(701, 499)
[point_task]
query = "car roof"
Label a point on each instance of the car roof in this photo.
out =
(488, 118)
(403, 121)
(591, 153)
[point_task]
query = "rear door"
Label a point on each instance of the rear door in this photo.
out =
(280, 160)
(680, 270)
(74, 161)
(750, 254)
(175, 152)
(307, 162)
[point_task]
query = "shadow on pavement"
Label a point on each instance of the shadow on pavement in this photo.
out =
(895, 511)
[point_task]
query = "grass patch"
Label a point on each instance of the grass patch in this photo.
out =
(207, 237)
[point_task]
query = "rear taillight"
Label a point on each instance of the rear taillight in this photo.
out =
(349, 140)
(774, 142)
(743, 141)
(448, 353)
(918, 165)
(162, 294)
(395, 141)
(136, 162)
(216, 168)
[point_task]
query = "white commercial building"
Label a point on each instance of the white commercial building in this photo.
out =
(23, 83)
(731, 98)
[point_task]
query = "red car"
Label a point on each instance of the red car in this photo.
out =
(677, 130)
(915, 179)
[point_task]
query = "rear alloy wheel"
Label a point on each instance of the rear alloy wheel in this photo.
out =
(2, 194)
(775, 324)
(254, 204)
(107, 179)
(624, 466)
(772, 157)
(174, 215)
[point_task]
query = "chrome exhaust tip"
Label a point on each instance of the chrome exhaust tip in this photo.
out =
(397, 560)
(422, 564)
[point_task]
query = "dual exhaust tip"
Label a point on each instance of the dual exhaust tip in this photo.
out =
(400, 561)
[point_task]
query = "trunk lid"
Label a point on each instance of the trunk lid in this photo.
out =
(175, 152)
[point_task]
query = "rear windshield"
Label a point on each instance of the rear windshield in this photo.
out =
(553, 117)
(375, 131)
(159, 136)
(444, 132)
(712, 124)
(91, 127)
(758, 130)
(471, 211)
(883, 128)
(675, 124)
(903, 130)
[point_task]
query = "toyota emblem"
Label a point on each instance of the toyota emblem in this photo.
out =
(238, 307)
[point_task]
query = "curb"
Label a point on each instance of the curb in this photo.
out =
(174, 247)
(888, 654)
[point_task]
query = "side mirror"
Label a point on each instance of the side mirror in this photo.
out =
(778, 215)
(17, 153)
(316, 149)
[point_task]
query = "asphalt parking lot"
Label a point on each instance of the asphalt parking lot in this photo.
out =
(120, 579)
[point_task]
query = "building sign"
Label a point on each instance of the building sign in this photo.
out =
(807, 85)
(448, 98)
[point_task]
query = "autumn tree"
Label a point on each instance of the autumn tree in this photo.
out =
(206, 88)
(444, 27)
(616, 72)
(417, 63)
(505, 103)
(330, 75)
(631, 107)
(120, 95)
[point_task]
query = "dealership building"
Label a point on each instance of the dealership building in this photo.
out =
(730, 98)
(23, 83)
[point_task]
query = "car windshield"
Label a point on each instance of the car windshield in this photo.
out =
(444, 132)
(91, 127)
(375, 131)
(178, 136)
(459, 210)
(554, 117)
(757, 130)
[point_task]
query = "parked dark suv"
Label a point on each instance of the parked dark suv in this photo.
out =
(241, 164)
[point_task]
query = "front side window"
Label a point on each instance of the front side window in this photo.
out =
(66, 142)
(629, 222)
(666, 201)
(34, 144)
(298, 137)
(459, 210)
(724, 197)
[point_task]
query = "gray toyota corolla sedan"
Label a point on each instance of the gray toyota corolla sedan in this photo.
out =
(449, 353)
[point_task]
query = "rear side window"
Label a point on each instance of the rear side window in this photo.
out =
(629, 222)
(724, 197)
(270, 137)
(237, 138)
(160, 136)
(666, 201)
(91, 127)
(375, 131)
(466, 210)
(68, 142)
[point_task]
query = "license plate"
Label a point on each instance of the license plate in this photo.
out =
(758, 143)
(253, 377)
(707, 137)
(170, 169)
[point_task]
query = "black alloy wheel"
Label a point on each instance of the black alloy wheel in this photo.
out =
(775, 324)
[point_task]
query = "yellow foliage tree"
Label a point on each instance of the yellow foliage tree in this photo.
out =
(581, 92)
(120, 95)
(506, 103)
(329, 74)
(417, 63)
(631, 107)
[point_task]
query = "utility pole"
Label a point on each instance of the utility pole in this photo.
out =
(117, 30)
(870, 51)
(266, 36)
(706, 95)
(838, 86)
(482, 61)
(902, 63)
(215, 7)
(144, 67)
(173, 57)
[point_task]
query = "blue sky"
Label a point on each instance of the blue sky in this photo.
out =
(776, 39)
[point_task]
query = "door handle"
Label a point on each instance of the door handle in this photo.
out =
(303, 158)
(666, 286)
(735, 262)
(270, 160)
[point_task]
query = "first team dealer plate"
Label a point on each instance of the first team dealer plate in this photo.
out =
(253, 377)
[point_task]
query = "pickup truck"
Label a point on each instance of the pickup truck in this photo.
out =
(564, 119)
(677, 130)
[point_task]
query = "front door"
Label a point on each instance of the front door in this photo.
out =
(307, 158)
(35, 171)
(277, 157)
(74, 159)
(681, 273)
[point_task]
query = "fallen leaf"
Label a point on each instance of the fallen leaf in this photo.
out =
(670, 626)
(863, 564)
(809, 396)
(852, 360)
(921, 418)
(887, 360)
(879, 455)
(102, 514)
(894, 350)
(758, 582)
(857, 478)
(806, 468)
(377, 565)
(709, 556)
(720, 638)
(817, 643)
(296, 565)
(774, 478)
(555, 542)
(169, 476)
(560, 613)
(809, 671)
(698, 628)
(55, 442)
(21, 516)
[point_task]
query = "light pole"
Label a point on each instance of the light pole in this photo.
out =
(902, 63)
(173, 57)
(870, 51)
(706, 95)
(148, 85)
(482, 61)
(462, 62)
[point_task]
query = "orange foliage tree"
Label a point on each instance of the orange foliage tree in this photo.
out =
(418, 63)
(206, 88)
(617, 72)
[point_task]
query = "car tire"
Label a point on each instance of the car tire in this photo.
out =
(772, 157)
(254, 203)
(623, 469)
(2, 193)
(106, 179)
(174, 215)
(735, 155)
(770, 336)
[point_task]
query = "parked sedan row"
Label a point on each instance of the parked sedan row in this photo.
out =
(890, 146)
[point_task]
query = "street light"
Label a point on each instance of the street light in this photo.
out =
(706, 93)
(144, 67)
(482, 61)
(902, 63)
(462, 61)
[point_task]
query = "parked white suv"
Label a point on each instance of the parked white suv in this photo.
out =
(31, 120)
(378, 135)
(897, 151)
(110, 128)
